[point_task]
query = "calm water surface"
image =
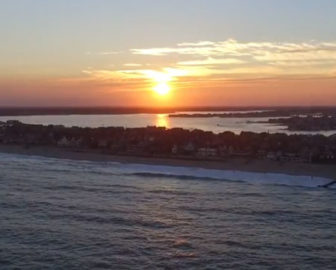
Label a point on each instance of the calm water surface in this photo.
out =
(59, 214)
(214, 124)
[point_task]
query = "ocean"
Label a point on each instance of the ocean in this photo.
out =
(67, 214)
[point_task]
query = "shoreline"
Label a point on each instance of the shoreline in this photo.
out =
(235, 164)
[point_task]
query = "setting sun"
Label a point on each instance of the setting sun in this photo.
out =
(161, 79)
(162, 89)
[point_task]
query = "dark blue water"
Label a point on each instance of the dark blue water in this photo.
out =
(58, 214)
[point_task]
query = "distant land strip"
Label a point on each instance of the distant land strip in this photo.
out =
(262, 111)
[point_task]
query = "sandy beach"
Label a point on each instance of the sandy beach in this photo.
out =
(265, 166)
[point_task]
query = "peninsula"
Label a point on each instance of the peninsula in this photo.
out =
(292, 154)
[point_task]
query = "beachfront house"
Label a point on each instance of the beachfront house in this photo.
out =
(207, 152)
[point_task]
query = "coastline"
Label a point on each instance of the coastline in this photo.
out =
(256, 166)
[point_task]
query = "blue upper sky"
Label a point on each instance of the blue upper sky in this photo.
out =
(122, 24)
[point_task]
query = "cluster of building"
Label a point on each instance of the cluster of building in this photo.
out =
(176, 142)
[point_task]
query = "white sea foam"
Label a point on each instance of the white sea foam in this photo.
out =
(231, 175)
(73, 166)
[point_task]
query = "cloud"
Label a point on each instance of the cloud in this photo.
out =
(166, 74)
(193, 44)
(103, 53)
(132, 65)
(316, 55)
(225, 60)
(258, 50)
(270, 58)
(212, 61)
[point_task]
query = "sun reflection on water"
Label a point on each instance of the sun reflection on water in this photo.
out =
(162, 120)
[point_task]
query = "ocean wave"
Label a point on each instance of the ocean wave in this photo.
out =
(191, 173)
(107, 168)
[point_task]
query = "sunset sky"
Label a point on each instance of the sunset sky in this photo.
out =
(167, 53)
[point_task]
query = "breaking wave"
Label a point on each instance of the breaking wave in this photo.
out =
(150, 171)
